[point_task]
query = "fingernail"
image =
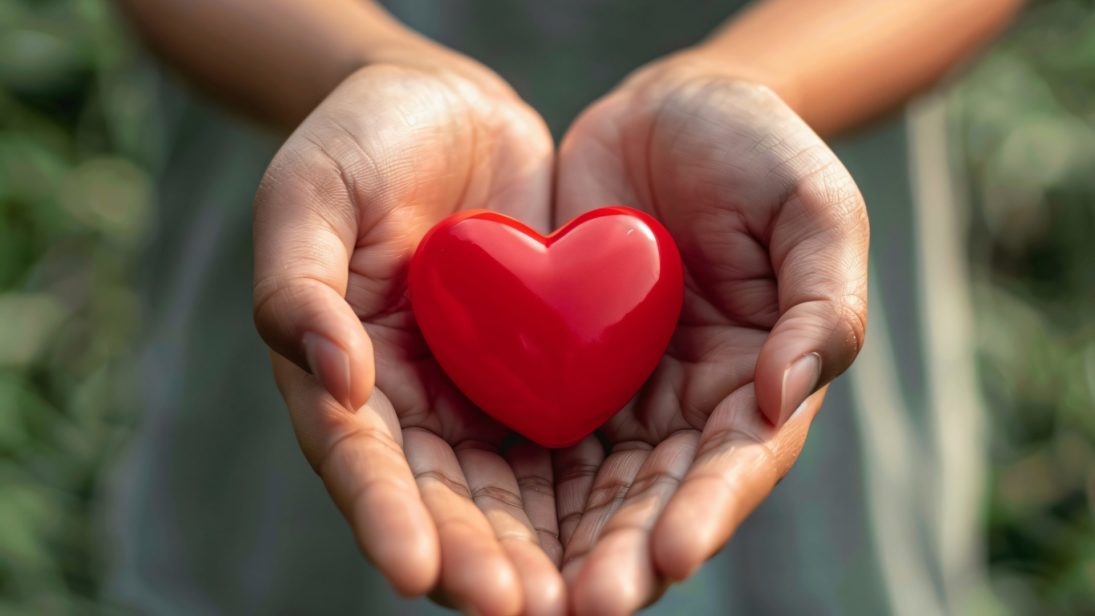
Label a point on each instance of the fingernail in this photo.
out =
(330, 365)
(799, 381)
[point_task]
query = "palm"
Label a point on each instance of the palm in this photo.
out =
(730, 300)
(453, 449)
(773, 240)
(707, 159)
(443, 148)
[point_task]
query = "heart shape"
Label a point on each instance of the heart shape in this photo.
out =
(549, 335)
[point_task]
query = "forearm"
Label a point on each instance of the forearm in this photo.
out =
(839, 63)
(274, 58)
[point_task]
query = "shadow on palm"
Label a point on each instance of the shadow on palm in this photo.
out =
(417, 470)
(773, 239)
(738, 180)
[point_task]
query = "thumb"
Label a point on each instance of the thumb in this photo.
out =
(819, 252)
(305, 229)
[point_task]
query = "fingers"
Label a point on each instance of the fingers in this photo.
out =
(819, 254)
(739, 459)
(610, 487)
(305, 227)
(360, 459)
(618, 575)
(476, 572)
(494, 489)
(765, 173)
(575, 468)
(731, 170)
(532, 468)
(388, 153)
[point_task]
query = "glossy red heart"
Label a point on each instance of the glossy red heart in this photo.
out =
(549, 335)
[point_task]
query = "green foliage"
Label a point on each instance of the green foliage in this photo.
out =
(75, 146)
(1027, 114)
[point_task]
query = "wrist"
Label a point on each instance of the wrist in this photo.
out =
(383, 39)
(369, 37)
(709, 60)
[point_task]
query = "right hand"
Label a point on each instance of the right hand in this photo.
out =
(433, 499)
(773, 235)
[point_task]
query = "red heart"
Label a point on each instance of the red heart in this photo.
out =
(549, 335)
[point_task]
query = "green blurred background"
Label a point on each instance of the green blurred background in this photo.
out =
(80, 153)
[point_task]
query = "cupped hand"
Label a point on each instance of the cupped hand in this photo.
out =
(773, 234)
(433, 499)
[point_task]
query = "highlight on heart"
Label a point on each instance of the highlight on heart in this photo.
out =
(549, 335)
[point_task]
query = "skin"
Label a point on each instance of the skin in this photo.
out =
(435, 501)
(718, 141)
(773, 235)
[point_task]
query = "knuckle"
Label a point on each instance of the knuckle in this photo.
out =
(572, 517)
(497, 495)
(535, 484)
(303, 162)
(456, 486)
(275, 301)
(308, 175)
(830, 188)
(844, 332)
(854, 317)
(653, 481)
(612, 491)
(357, 445)
(265, 310)
(549, 535)
(577, 471)
(723, 440)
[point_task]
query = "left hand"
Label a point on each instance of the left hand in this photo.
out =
(435, 499)
(773, 234)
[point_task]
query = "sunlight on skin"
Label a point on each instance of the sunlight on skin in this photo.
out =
(773, 234)
(771, 228)
(417, 472)
(440, 498)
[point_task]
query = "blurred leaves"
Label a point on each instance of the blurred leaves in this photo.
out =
(77, 140)
(30, 320)
(36, 59)
(109, 195)
(1026, 114)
